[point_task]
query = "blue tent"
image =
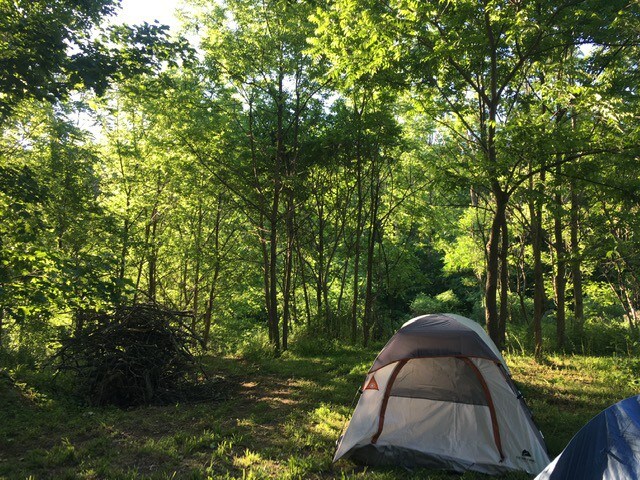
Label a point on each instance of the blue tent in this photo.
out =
(608, 447)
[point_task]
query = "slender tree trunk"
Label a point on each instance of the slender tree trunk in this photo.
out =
(125, 246)
(343, 285)
(288, 267)
(126, 228)
(367, 322)
(216, 273)
(138, 279)
(504, 283)
(273, 270)
(625, 298)
(185, 299)
(152, 262)
(320, 267)
(301, 269)
(274, 320)
(632, 311)
(493, 263)
(501, 198)
(560, 281)
(208, 314)
(356, 255)
(196, 273)
(291, 164)
(261, 225)
(521, 285)
(576, 261)
(265, 273)
(143, 258)
(535, 211)
(1, 327)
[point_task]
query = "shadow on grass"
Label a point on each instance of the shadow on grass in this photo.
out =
(279, 419)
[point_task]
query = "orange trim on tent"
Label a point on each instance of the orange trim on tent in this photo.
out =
(385, 399)
(492, 409)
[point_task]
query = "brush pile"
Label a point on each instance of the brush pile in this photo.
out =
(135, 355)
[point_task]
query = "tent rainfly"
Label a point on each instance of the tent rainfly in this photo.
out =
(440, 395)
(606, 448)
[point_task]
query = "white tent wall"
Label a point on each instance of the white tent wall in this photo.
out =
(441, 429)
(364, 422)
(516, 429)
(455, 436)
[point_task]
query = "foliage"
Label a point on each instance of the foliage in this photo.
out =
(50, 49)
(445, 302)
(36, 38)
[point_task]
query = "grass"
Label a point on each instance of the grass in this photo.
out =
(280, 420)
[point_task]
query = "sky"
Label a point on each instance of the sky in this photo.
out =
(138, 11)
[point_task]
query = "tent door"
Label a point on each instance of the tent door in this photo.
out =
(472, 372)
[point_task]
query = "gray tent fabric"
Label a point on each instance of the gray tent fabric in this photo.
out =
(446, 379)
(440, 395)
(436, 335)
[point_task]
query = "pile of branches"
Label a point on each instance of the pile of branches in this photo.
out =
(135, 355)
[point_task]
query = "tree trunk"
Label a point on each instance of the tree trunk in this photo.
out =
(273, 271)
(367, 321)
(196, 274)
(358, 233)
(493, 263)
(560, 282)
(291, 165)
(152, 261)
(1, 327)
(307, 302)
(535, 211)
(216, 273)
(209, 310)
(343, 285)
(274, 320)
(504, 283)
(521, 285)
(576, 260)
(320, 267)
(356, 258)
(125, 246)
(288, 267)
(265, 273)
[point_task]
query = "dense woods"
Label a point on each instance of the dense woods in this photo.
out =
(289, 169)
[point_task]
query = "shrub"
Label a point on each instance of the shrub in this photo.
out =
(255, 346)
(443, 302)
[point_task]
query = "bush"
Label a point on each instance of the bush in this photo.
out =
(132, 356)
(601, 336)
(254, 346)
(443, 302)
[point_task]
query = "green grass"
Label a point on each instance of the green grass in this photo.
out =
(280, 420)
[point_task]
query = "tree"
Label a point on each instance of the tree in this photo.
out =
(470, 60)
(260, 56)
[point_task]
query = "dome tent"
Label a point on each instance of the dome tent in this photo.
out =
(606, 448)
(439, 394)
